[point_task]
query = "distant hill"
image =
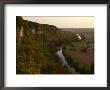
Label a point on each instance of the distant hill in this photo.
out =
(88, 33)
(76, 30)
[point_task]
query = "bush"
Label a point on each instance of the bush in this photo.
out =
(83, 49)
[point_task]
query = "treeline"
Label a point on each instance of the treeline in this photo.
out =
(36, 46)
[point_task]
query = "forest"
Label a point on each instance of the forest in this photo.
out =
(37, 44)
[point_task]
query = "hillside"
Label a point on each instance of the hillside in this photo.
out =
(36, 47)
(86, 32)
(37, 44)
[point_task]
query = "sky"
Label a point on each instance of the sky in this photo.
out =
(63, 22)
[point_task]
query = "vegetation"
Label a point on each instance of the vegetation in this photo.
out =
(78, 64)
(36, 47)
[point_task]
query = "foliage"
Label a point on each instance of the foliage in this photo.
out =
(36, 52)
(79, 66)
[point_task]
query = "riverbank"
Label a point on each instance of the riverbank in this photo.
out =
(81, 61)
(64, 62)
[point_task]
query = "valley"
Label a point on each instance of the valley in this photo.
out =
(37, 45)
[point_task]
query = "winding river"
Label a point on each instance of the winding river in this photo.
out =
(64, 62)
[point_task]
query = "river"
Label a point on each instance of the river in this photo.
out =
(64, 62)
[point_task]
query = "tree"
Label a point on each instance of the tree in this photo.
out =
(19, 21)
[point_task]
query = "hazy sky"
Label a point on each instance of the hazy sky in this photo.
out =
(64, 22)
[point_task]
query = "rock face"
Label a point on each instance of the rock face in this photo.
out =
(21, 33)
(24, 28)
(36, 47)
(33, 31)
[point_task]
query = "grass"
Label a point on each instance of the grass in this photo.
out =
(75, 62)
